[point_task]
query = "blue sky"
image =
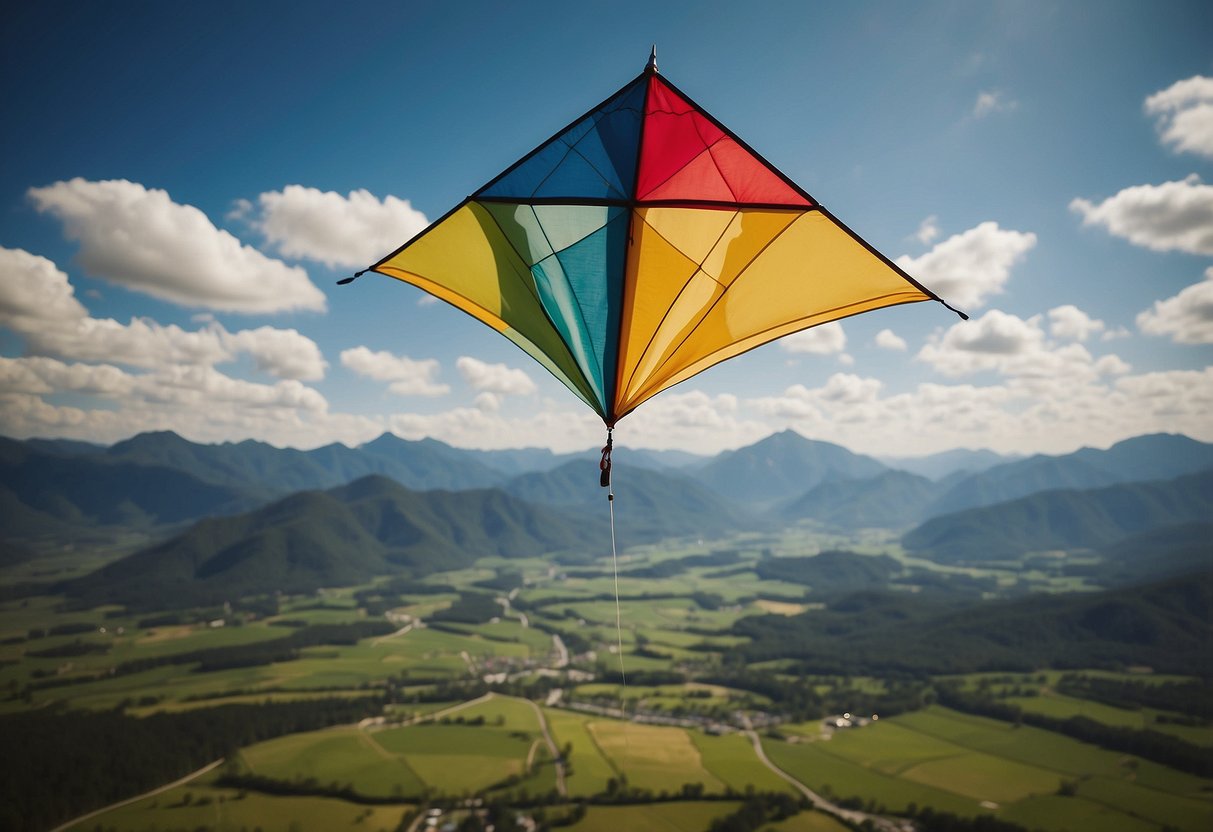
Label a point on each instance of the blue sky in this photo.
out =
(183, 183)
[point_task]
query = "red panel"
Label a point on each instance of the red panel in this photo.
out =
(684, 155)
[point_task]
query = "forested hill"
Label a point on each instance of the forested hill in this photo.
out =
(1064, 519)
(345, 536)
(1164, 625)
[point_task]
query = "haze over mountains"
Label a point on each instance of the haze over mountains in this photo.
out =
(214, 506)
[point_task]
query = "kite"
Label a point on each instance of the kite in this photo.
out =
(643, 244)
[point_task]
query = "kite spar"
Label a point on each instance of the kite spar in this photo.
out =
(641, 245)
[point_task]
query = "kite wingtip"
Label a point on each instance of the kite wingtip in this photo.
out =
(652, 66)
(947, 305)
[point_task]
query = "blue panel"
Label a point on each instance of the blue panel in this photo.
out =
(593, 159)
(594, 269)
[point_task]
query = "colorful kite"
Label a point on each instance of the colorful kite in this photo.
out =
(643, 244)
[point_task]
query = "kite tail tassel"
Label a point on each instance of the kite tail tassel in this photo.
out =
(604, 465)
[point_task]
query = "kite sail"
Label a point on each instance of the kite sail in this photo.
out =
(643, 244)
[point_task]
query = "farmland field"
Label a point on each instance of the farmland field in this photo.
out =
(656, 817)
(971, 765)
(432, 734)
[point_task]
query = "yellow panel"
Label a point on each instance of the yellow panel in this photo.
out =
(724, 242)
(693, 232)
(812, 273)
(663, 272)
(467, 261)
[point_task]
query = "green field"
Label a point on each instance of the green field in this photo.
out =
(591, 768)
(970, 765)
(435, 739)
(655, 817)
(453, 758)
(731, 759)
(346, 755)
(653, 757)
(227, 810)
(1063, 707)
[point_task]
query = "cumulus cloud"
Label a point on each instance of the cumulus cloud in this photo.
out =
(494, 378)
(407, 376)
(1173, 216)
(140, 239)
(1070, 322)
(1185, 115)
(992, 101)
(350, 231)
(1098, 406)
(141, 376)
(968, 267)
(1012, 346)
(198, 402)
(1187, 317)
(819, 340)
(34, 292)
(928, 230)
(485, 427)
(693, 419)
(285, 353)
(38, 303)
(889, 340)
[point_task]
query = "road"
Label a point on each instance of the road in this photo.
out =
(507, 610)
(547, 737)
(819, 802)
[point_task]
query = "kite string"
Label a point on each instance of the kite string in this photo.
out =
(615, 565)
(610, 484)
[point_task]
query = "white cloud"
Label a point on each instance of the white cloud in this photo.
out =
(482, 427)
(1185, 115)
(34, 292)
(1054, 413)
(966, 268)
(819, 340)
(1070, 322)
(39, 375)
(846, 388)
(284, 353)
(494, 378)
(1014, 347)
(1173, 216)
(992, 101)
(1187, 317)
(197, 402)
(889, 340)
(407, 376)
(488, 402)
(691, 419)
(928, 230)
(38, 303)
(141, 239)
(352, 231)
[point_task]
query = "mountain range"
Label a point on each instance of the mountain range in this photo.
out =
(1090, 499)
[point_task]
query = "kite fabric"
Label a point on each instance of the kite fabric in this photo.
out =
(643, 244)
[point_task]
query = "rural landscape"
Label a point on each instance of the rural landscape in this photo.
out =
(406, 635)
